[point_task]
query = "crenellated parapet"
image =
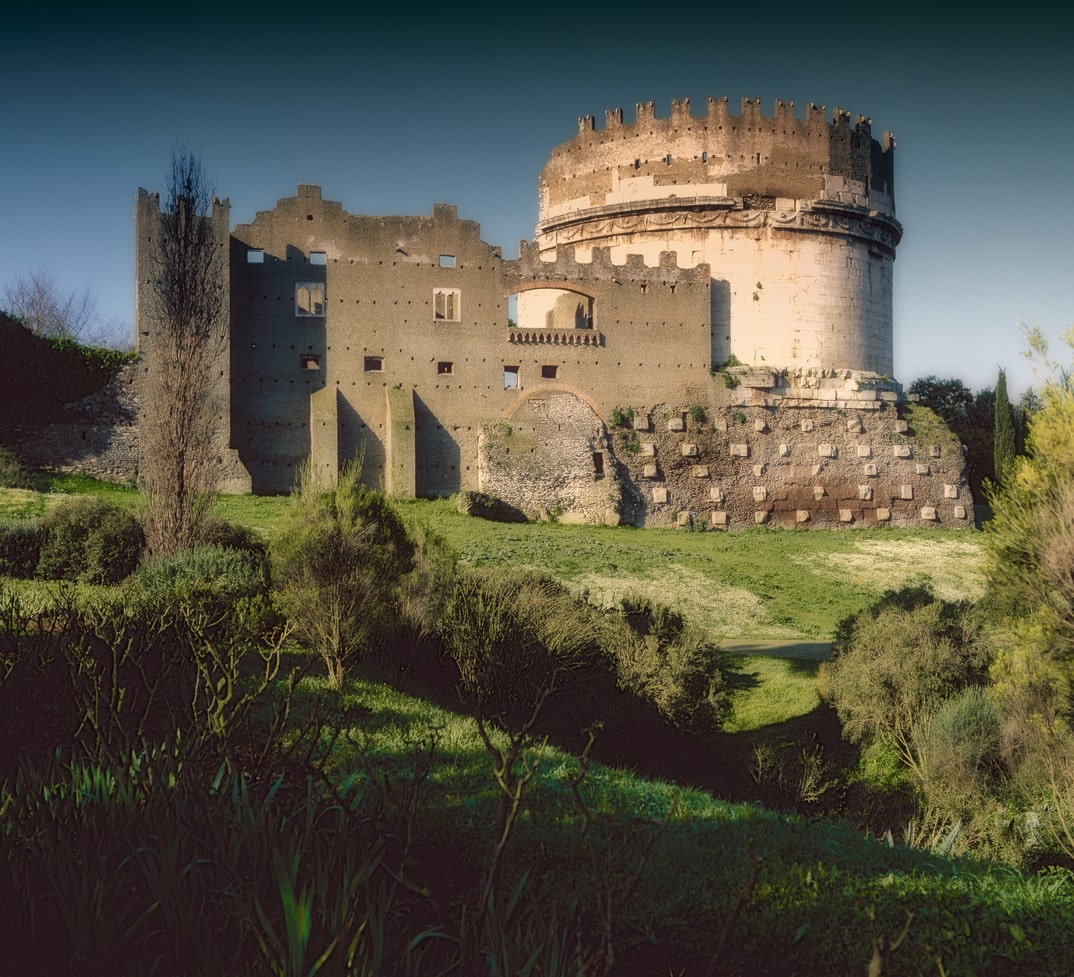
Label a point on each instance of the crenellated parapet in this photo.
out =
(531, 268)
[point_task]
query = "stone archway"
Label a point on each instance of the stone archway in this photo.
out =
(551, 456)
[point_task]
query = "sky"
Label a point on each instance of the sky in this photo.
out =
(390, 113)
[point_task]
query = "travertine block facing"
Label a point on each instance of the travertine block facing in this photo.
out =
(854, 425)
(718, 518)
(683, 519)
(760, 517)
(934, 451)
(901, 427)
(865, 451)
(889, 395)
(816, 470)
(720, 424)
(689, 450)
(959, 511)
(845, 515)
(740, 450)
(647, 450)
(906, 491)
(818, 493)
(660, 494)
(883, 515)
(928, 513)
(802, 515)
(869, 469)
(700, 471)
(827, 450)
(806, 425)
(676, 424)
(865, 493)
(760, 425)
(759, 470)
(950, 491)
(641, 422)
(716, 494)
(902, 451)
(649, 471)
(922, 469)
(784, 451)
(760, 493)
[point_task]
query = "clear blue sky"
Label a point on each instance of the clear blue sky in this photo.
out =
(391, 116)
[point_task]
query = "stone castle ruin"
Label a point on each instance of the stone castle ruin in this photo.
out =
(700, 333)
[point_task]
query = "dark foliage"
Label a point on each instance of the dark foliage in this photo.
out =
(91, 540)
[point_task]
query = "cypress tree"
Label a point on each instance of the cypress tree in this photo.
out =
(1003, 430)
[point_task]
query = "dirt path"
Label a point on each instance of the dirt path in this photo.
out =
(814, 651)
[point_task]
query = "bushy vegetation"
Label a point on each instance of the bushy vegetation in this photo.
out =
(90, 540)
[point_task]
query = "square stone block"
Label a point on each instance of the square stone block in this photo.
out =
(760, 517)
(817, 469)
(683, 519)
(760, 493)
(827, 450)
(720, 424)
(883, 515)
(802, 515)
(740, 451)
(959, 511)
(759, 470)
(760, 425)
(660, 494)
(807, 426)
(906, 491)
(647, 449)
(869, 469)
(784, 451)
(928, 513)
(818, 493)
(950, 491)
(845, 515)
(901, 427)
(716, 494)
(854, 425)
(865, 451)
(923, 469)
(865, 493)
(649, 471)
(641, 422)
(676, 424)
(718, 518)
(700, 471)
(902, 451)
(934, 451)
(689, 450)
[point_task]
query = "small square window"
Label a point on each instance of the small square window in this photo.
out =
(447, 303)
(255, 256)
(510, 378)
(549, 371)
(309, 299)
(374, 364)
(318, 258)
(444, 367)
(447, 261)
(310, 362)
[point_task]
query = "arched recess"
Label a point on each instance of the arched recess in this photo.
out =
(554, 305)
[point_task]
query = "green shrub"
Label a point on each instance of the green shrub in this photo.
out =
(898, 661)
(20, 547)
(14, 474)
(232, 536)
(337, 564)
(658, 657)
(91, 540)
(486, 506)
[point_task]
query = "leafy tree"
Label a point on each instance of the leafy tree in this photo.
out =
(186, 310)
(337, 566)
(1003, 441)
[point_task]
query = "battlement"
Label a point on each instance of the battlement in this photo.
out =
(565, 267)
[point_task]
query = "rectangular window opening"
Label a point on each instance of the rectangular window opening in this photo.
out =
(255, 256)
(374, 364)
(447, 261)
(309, 299)
(447, 304)
(444, 367)
(510, 378)
(549, 371)
(318, 258)
(598, 464)
(310, 362)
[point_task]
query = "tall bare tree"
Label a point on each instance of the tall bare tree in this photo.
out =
(186, 307)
